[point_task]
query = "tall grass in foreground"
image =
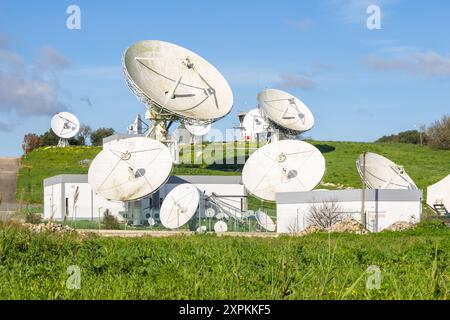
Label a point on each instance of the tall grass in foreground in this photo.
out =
(414, 265)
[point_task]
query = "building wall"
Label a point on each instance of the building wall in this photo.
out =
(380, 213)
(59, 199)
(439, 193)
(59, 195)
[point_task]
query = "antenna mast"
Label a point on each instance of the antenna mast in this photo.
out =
(363, 193)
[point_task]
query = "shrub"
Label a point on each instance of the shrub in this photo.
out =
(110, 222)
(325, 215)
(98, 135)
(33, 218)
(31, 141)
(410, 136)
(439, 134)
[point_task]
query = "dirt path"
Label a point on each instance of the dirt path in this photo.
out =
(8, 176)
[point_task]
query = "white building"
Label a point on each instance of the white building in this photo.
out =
(71, 196)
(438, 195)
(382, 207)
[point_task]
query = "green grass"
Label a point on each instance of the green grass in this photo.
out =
(414, 265)
(425, 165)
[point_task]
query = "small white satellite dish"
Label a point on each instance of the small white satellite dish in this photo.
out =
(285, 110)
(220, 215)
(254, 123)
(382, 173)
(179, 206)
(130, 169)
(65, 125)
(220, 226)
(198, 129)
(171, 79)
(151, 222)
(283, 166)
(265, 221)
(210, 212)
(202, 229)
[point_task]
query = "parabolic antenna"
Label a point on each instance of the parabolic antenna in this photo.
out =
(220, 226)
(220, 215)
(439, 193)
(382, 173)
(198, 129)
(283, 166)
(179, 206)
(173, 80)
(265, 221)
(130, 169)
(151, 222)
(285, 110)
(253, 122)
(210, 212)
(65, 125)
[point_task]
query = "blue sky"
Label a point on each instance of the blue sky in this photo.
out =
(359, 83)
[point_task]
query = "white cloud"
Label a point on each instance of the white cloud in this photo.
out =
(355, 11)
(30, 89)
(430, 64)
(296, 81)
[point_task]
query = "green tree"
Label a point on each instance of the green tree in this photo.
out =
(98, 135)
(439, 133)
(84, 135)
(49, 138)
(409, 136)
(31, 141)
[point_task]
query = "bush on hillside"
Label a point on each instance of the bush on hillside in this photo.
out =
(98, 135)
(439, 134)
(31, 141)
(410, 136)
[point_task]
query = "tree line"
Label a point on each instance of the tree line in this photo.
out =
(437, 135)
(86, 136)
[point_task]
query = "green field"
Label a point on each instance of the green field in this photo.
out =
(425, 165)
(414, 264)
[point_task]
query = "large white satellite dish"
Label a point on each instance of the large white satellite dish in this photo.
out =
(254, 123)
(179, 206)
(220, 226)
(265, 221)
(283, 166)
(130, 169)
(65, 125)
(382, 173)
(198, 129)
(172, 80)
(285, 111)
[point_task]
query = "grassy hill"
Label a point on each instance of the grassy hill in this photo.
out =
(425, 165)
